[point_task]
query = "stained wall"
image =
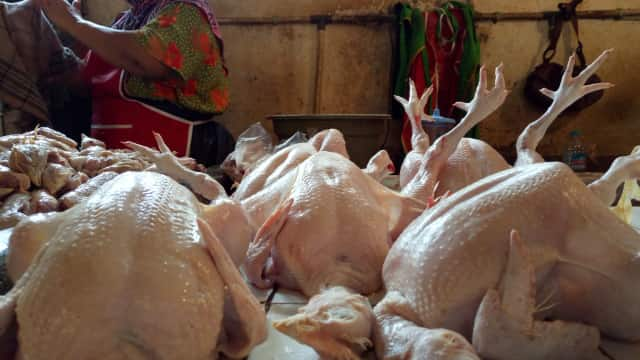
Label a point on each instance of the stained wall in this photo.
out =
(295, 68)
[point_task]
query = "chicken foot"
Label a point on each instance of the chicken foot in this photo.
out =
(423, 184)
(170, 165)
(414, 108)
(571, 89)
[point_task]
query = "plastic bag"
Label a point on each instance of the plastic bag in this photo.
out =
(297, 138)
(253, 144)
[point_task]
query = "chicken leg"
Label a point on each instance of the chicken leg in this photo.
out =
(397, 338)
(435, 160)
(468, 160)
(571, 89)
(414, 108)
(169, 164)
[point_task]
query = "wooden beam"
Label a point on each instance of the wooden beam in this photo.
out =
(373, 18)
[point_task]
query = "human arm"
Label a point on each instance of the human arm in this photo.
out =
(119, 48)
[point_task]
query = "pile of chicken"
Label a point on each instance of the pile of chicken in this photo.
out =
(473, 254)
(44, 171)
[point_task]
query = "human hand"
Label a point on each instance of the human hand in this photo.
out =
(61, 13)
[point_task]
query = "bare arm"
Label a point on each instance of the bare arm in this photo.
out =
(119, 48)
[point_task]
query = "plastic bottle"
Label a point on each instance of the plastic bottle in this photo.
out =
(576, 156)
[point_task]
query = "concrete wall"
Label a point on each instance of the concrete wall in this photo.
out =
(274, 66)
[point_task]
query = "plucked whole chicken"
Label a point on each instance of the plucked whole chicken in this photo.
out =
(140, 269)
(540, 245)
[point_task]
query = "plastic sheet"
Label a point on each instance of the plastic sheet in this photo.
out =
(252, 145)
(297, 138)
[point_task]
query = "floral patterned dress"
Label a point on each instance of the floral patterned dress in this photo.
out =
(181, 38)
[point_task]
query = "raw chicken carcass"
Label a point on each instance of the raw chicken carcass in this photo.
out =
(75, 181)
(89, 142)
(54, 135)
(44, 137)
(137, 270)
(225, 215)
(43, 202)
(252, 147)
(333, 228)
(85, 189)
(282, 162)
(276, 166)
(577, 251)
(380, 166)
(55, 177)
(14, 209)
(29, 159)
(11, 181)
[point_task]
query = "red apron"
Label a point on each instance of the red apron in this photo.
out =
(117, 118)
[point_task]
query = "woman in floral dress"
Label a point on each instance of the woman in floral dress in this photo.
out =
(158, 68)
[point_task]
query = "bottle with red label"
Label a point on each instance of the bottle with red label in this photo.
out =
(576, 156)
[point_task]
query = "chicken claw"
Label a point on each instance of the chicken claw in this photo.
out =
(414, 108)
(167, 163)
(572, 88)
